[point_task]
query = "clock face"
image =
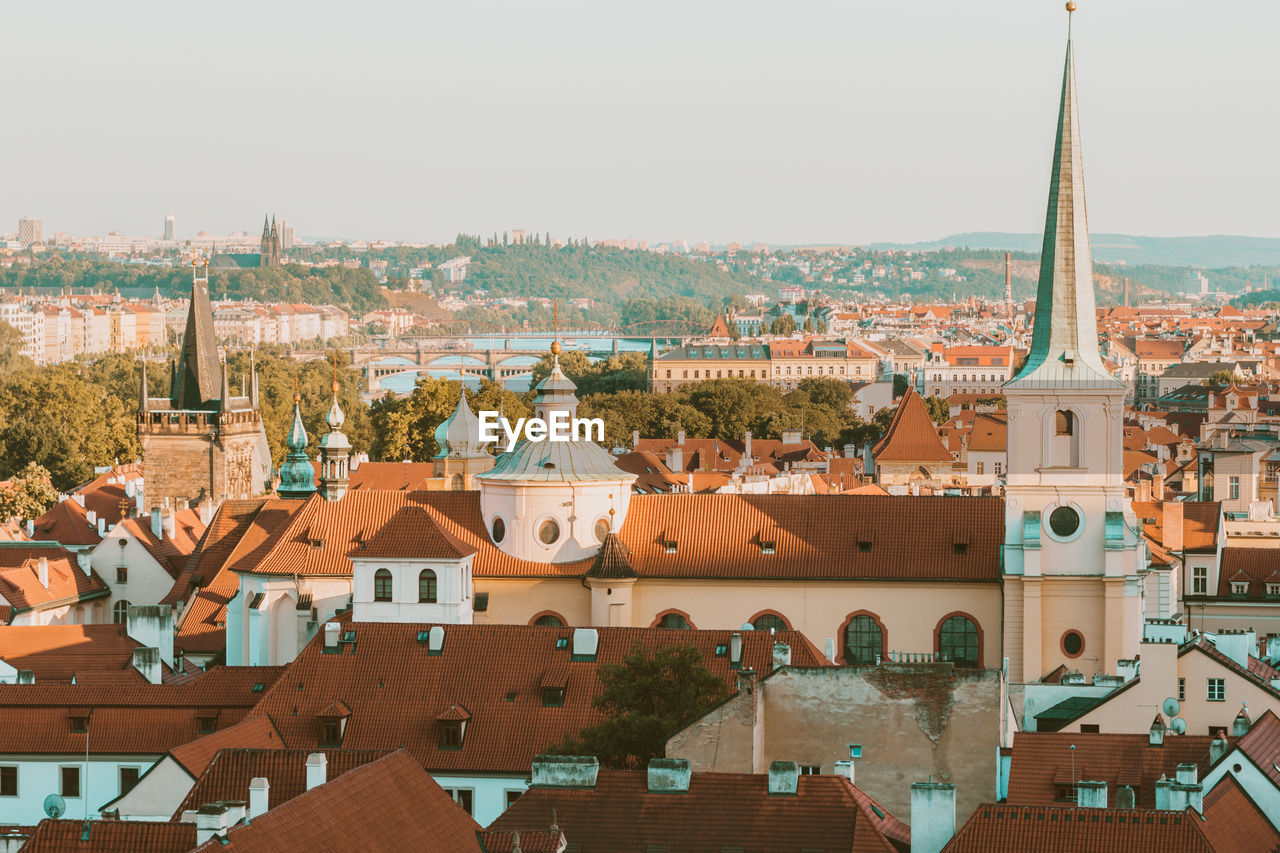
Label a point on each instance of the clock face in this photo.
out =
(1064, 521)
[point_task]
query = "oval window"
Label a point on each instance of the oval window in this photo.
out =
(602, 529)
(1072, 644)
(499, 529)
(1064, 521)
(548, 532)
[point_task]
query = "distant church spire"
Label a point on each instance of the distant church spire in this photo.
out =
(1064, 344)
(196, 380)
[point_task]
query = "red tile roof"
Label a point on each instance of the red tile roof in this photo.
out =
(111, 836)
(531, 840)
(66, 523)
(172, 551)
(912, 437)
(391, 476)
(1262, 745)
(1042, 762)
(20, 577)
(132, 719)
(392, 800)
(1046, 829)
(61, 652)
(720, 810)
(411, 533)
(258, 733)
(396, 690)
(1256, 567)
(1233, 821)
(107, 494)
(228, 775)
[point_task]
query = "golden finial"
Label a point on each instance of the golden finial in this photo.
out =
(1071, 6)
(555, 347)
(555, 327)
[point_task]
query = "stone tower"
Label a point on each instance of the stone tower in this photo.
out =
(1072, 549)
(200, 444)
(269, 247)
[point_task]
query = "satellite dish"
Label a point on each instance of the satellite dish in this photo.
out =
(1180, 725)
(54, 806)
(747, 626)
(1171, 707)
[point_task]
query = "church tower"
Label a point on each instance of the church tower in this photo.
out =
(1072, 550)
(200, 444)
(297, 474)
(335, 452)
(269, 246)
(461, 454)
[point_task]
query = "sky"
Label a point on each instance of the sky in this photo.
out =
(804, 122)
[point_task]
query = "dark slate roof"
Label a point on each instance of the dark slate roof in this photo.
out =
(613, 560)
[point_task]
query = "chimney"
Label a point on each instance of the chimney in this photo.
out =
(784, 778)
(26, 676)
(1164, 790)
(844, 769)
(1091, 795)
(675, 458)
(1187, 774)
(206, 512)
(214, 819)
(435, 640)
(668, 775)
(746, 445)
(564, 771)
(79, 498)
(331, 633)
(635, 439)
(585, 643)
(1157, 486)
(746, 680)
(1240, 725)
(791, 436)
(1217, 748)
(157, 523)
(1172, 521)
(1125, 798)
(152, 625)
(42, 571)
(933, 816)
(102, 527)
(781, 655)
(84, 560)
(146, 660)
(735, 649)
(317, 770)
(169, 522)
(680, 438)
(829, 649)
(259, 789)
(31, 528)
(92, 517)
(1235, 645)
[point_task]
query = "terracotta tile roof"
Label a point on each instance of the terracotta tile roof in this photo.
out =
(20, 576)
(111, 836)
(61, 652)
(174, 551)
(1255, 566)
(66, 523)
(391, 799)
(107, 493)
(228, 774)
(132, 719)
(391, 476)
(990, 432)
(531, 840)
(997, 828)
(257, 733)
(1042, 762)
(396, 691)
(719, 811)
(1262, 745)
(1233, 821)
(1158, 349)
(912, 436)
(410, 533)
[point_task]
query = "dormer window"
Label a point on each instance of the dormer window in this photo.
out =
(1273, 590)
(315, 543)
(552, 697)
(1240, 588)
(331, 733)
(78, 722)
(864, 546)
(451, 735)
(669, 545)
(207, 722)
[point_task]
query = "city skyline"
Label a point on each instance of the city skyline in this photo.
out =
(834, 126)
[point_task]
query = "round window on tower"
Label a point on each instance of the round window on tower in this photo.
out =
(602, 529)
(499, 529)
(1064, 521)
(548, 532)
(1072, 644)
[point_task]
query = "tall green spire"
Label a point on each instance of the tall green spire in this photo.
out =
(297, 474)
(1064, 344)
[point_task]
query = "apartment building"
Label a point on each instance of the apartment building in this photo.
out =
(967, 370)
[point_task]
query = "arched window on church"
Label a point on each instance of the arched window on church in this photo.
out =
(382, 585)
(1065, 444)
(427, 587)
(457, 483)
(120, 612)
(863, 640)
(958, 641)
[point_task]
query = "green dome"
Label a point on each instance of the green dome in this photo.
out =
(297, 473)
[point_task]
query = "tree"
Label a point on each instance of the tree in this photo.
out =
(938, 408)
(900, 385)
(645, 699)
(1220, 377)
(783, 326)
(11, 343)
(28, 494)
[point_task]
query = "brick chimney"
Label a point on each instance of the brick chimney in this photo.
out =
(152, 625)
(1172, 522)
(781, 655)
(1157, 486)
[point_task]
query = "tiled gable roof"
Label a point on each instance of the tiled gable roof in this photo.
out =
(391, 476)
(410, 533)
(258, 733)
(530, 840)
(1262, 745)
(60, 652)
(396, 690)
(912, 436)
(20, 577)
(228, 774)
(171, 551)
(110, 836)
(995, 828)
(1255, 566)
(391, 799)
(1233, 821)
(718, 811)
(66, 523)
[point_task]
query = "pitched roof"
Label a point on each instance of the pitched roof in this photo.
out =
(391, 476)
(410, 533)
(66, 523)
(1257, 567)
(20, 576)
(60, 652)
(719, 811)
(613, 560)
(228, 774)
(1262, 745)
(990, 432)
(396, 690)
(912, 436)
(131, 719)
(111, 836)
(173, 549)
(997, 828)
(531, 840)
(391, 799)
(253, 732)
(1042, 761)
(1233, 821)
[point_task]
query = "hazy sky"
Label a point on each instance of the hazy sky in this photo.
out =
(786, 122)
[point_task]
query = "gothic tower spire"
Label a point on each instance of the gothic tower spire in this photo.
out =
(196, 383)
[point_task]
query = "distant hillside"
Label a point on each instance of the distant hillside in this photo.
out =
(1207, 252)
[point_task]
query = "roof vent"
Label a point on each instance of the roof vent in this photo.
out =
(435, 640)
(564, 771)
(668, 775)
(331, 630)
(735, 649)
(585, 643)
